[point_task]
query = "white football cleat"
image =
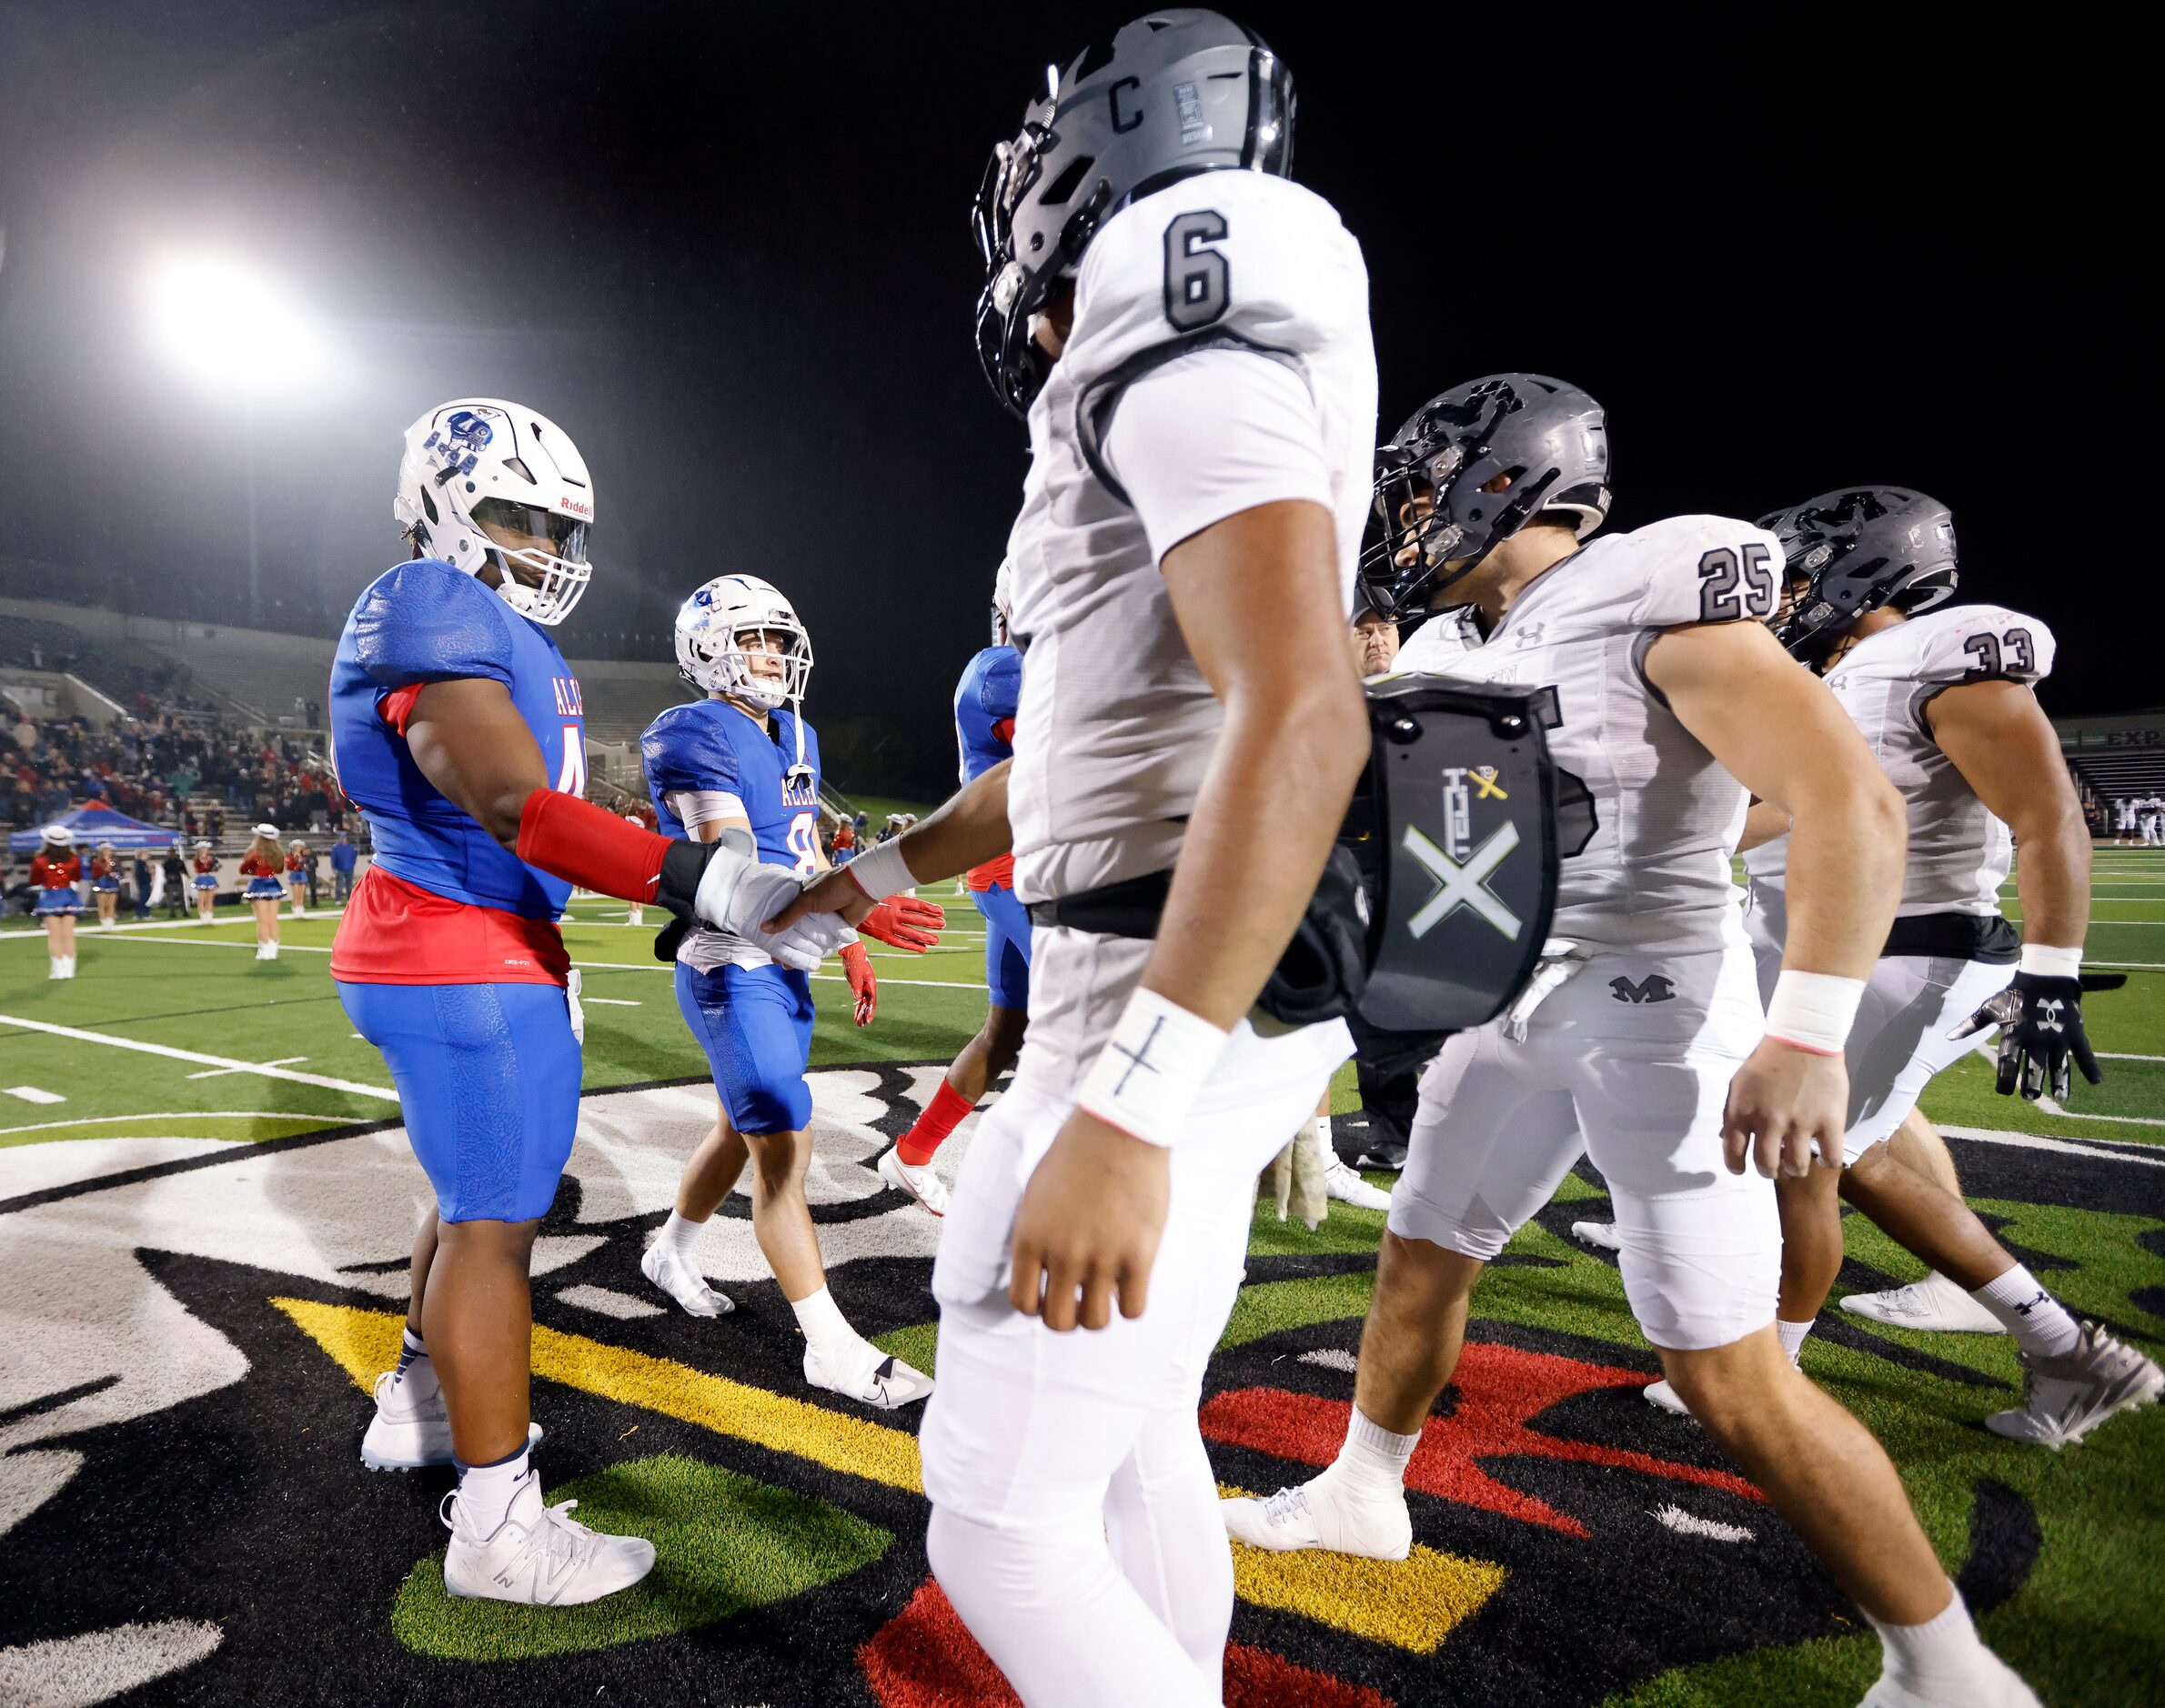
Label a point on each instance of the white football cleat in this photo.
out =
(1343, 1182)
(410, 1434)
(1661, 1394)
(1320, 1515)
(1991, 1684)
(2071, 1395)
(918, 1179)
(683, 1283)
(1597, 1233)
(1934, 1303)
(540, 1555)
(861, 1371)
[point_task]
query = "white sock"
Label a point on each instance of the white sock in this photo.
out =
(1792, 1335)
(1943, 1648)
(486, 1491)
(1322, 1137)
(822, 1319)
(2040, 1322)
(1373, 1462)
(679, 1234)
(271, 950)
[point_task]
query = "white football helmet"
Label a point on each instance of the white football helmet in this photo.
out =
(477, 459)
(1003, 602)
(711, 623)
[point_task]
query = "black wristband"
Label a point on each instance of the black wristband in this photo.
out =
(682, 866)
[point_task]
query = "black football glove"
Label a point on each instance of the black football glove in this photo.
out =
(2040, 1035)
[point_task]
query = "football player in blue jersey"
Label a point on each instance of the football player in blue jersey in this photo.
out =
(986, 699)
(459, 733)
(743, 760)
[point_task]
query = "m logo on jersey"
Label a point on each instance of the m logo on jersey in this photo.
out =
(1463, 884)
(1654, 988)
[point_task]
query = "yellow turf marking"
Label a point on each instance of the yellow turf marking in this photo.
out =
(1412, 1603)
(367, 1342)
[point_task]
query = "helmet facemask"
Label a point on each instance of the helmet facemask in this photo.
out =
(541, 584)
(711, 655)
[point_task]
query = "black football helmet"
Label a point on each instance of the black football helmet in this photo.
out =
(1177, 92)
(1550, 438)
(1851, 551)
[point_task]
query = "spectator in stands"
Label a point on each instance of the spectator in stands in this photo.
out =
(140, 877)
(342, 864)
(264, 869)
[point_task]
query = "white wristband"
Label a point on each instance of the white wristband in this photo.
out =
(882, 871)
(2044, 961)
(1813, 1011)
(1146, 1078)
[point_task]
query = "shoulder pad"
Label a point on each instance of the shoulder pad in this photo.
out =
(427, 622)
(997, 675)
(1232, 257)
(1702, 569)
(688, 747)
(1974, 643)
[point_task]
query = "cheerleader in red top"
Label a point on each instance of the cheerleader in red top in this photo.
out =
(262, 865)
(297, 878)
(206, 867)
(55, 871)
(105, 883)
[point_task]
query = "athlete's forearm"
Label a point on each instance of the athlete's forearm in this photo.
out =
(2052, 880)
(1763, 823)
(967, 829)
(1848, 845)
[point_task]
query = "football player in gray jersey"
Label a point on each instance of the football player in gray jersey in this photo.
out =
(1943, 694)
(1187, 332)
(1648, 1049)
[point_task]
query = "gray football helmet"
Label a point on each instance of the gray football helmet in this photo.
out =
(1550, 438)
(1853, 550)
(1178, 91)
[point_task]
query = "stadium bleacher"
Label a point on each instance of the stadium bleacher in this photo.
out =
(41, 644)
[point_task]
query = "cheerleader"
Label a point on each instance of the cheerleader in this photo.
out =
(104, 884)
(205, 864)
(262, 865)
(297, 878)
(55, 871)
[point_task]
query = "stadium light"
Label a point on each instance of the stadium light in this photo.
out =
(231, 327)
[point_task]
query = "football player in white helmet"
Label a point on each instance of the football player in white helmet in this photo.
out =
(742, 763)
(501, 492)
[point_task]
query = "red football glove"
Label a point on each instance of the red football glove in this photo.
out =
(857, 966)
(905, 922)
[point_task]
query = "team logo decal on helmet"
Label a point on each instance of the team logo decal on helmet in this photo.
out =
(480, 475)
(1470, 469)
(711, 627)
(1177, 92)
(1853, 550)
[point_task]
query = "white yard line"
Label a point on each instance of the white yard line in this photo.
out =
(146, 1047)
(613, 1002)
(2122, 1055)
(211, 1073)
(32, 1094)
(93, 932)
(170, 1114)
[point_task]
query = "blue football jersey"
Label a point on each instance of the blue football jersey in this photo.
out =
(711, 745)
(427, 622)
(985, 702)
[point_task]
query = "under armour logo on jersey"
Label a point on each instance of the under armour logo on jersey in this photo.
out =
(1654, 988)
(1530, 635)
(1463, 886)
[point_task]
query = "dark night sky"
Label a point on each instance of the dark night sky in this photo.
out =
(726, 248)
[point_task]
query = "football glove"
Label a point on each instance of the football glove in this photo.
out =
(723, 883)
(2040, 1035)
(857, 966)
(905, 922)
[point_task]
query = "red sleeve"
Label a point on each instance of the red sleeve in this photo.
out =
(1004, 732)
(596, 849)
(396, 707)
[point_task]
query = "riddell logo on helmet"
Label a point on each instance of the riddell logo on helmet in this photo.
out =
(578, 507)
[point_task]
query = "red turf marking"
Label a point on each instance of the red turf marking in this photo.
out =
(1501, 1390)
(924, 1657)
(1256, 1678)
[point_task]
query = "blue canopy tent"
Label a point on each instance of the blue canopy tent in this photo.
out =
(93, 823)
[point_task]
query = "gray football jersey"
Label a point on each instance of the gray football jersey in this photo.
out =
(1116, 723)
(1655, 875)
